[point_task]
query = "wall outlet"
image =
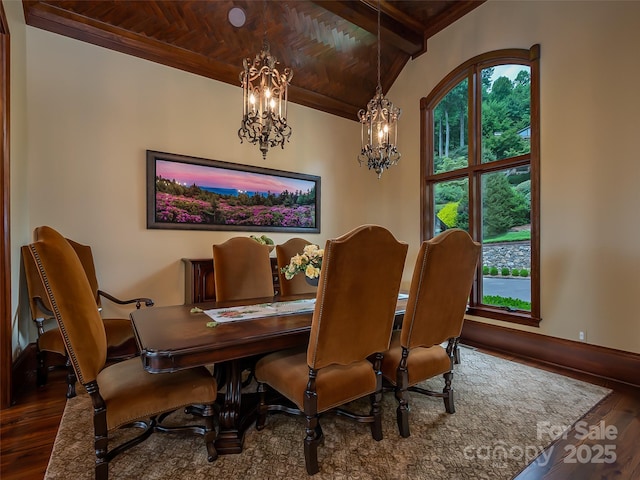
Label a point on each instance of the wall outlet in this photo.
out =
(582, 336)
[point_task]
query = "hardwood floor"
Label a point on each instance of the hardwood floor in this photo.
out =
(610, 430)
(28, 430)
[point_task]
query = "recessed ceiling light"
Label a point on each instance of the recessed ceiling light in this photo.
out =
(237, 17)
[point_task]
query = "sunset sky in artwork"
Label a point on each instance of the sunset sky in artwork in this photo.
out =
(212, 177)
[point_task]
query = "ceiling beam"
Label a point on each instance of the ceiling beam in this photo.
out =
(396, 28)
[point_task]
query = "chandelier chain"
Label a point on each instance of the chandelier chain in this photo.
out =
(264, 22)
(379, 84)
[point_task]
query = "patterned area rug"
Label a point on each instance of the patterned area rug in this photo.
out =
(504, 413)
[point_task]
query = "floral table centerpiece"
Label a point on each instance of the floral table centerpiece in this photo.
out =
(308, 262)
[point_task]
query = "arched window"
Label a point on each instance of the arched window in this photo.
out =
(480, 172)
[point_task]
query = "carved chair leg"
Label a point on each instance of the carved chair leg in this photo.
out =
(376, 399)
(313, 431)
(402, 396)
(313, 438)
(376, 412)
(448, 393)
(402, 413)
(102, 471)
(102, 461)
(71, 380)
(262, 407)
(210, 432)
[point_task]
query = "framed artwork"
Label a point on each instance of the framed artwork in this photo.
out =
(191, 193)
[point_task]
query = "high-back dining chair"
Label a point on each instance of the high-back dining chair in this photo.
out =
(122, 394)
(49, 338)
(121, 343)
(352, 320)
(297, 285)
(241, 270)
(438, 296)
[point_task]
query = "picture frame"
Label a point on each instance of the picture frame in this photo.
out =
(191, 193)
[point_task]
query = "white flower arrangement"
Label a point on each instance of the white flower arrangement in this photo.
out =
(308, 262)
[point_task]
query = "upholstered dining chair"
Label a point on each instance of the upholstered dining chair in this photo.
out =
(352, 321)
(297, 285)
(121, 343)
(438, 296)
(122, 394)
(241, 270)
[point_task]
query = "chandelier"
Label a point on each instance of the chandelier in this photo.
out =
(379, 128)
(264, 111)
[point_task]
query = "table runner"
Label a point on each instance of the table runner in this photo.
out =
(248, 312)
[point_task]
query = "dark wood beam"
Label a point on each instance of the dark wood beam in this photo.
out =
(396, 28)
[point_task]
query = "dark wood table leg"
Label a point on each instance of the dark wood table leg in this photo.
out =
(230, 436)
(237, 412)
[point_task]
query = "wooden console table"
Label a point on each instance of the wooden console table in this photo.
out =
(199, 285)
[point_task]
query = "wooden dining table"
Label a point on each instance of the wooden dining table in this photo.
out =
(174, 338)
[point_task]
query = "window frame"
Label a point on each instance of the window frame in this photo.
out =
(471, 70)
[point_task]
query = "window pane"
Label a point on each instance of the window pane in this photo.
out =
(506, 111)
(506, 238)
(450, 130)
(482, 164)
(451, 200)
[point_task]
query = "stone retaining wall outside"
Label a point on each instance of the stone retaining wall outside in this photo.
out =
(510, 255)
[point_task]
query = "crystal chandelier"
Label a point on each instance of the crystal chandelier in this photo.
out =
(264, 112)
(379, 128)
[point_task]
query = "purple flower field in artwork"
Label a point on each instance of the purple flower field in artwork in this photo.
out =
(179, 209)
(182, 209)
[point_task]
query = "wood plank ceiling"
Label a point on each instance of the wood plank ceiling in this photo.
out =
(331, 46)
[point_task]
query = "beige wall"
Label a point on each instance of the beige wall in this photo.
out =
(590, 169)
(91, 113)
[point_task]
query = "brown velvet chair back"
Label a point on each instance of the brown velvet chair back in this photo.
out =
(357, 296)
(440, 289)
(242, 269)
(73, 304)
(34, 284)
(86, 258)
(297, 285)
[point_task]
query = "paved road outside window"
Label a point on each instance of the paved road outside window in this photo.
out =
(519, 288)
